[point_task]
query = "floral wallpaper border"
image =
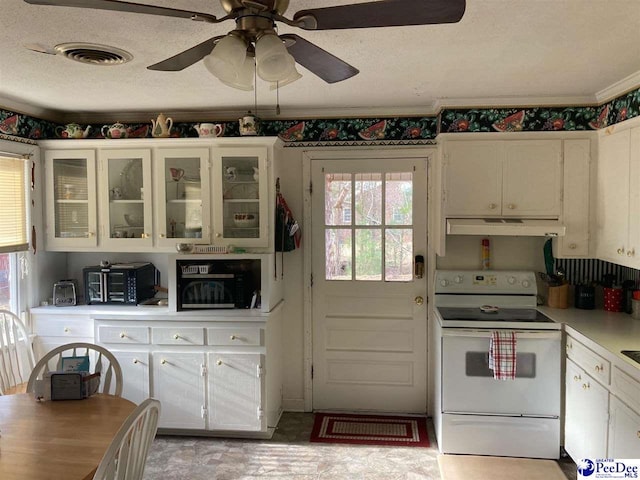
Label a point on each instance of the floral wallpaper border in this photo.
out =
(375, 131)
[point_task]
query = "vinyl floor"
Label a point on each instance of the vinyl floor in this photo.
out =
(289, 455)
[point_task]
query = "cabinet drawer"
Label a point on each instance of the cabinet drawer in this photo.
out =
(626, 388)
(177, 336)
(67, 327)
(126, 335)
(237, 336)
(591, 362)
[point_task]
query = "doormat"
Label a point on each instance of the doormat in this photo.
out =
(370, 430)
(464, 467)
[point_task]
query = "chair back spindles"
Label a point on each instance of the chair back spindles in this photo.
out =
(101, 360)
(16, 354)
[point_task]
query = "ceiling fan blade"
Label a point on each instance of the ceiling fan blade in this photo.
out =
(187, 58)
(318, 61)
(119, 6)
(384, 13)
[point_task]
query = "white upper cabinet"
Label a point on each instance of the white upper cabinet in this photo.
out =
(618, 197)
(183, 203)
(503, 178)
(240, 196)
(124, 199)
(71, 203)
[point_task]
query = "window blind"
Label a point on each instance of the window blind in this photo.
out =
(13, 204)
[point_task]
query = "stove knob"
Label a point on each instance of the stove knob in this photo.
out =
(511, 280)
(458, 279)
(444, 282)
(526, 283)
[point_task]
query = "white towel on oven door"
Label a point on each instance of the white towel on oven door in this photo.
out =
(502, 355)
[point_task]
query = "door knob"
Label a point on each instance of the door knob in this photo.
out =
(419, 300)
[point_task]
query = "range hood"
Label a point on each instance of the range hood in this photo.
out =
(505, 226)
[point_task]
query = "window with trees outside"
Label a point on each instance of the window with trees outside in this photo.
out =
(369, 226)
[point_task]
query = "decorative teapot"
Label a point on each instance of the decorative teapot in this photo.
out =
(256, 174)
(209, 129)
(161, 127)
(72, 130)
(115, 130)
(249, 124)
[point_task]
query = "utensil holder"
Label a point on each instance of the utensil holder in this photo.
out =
(559, 296)
(613, 299)
(585, 297)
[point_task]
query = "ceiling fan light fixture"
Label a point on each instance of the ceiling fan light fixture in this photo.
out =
(273, 60)
(227, 58)
(244, 79)
(293, 76)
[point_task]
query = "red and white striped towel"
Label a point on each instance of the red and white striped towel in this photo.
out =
(502, 355)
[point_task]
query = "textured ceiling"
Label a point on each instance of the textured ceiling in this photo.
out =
(501, 52)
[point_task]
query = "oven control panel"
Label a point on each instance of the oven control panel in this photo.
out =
(506, 282)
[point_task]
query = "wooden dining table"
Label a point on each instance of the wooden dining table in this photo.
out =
(57, 440)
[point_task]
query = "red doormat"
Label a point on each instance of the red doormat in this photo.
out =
(370, 430)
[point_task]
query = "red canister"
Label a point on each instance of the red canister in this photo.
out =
(613, 299)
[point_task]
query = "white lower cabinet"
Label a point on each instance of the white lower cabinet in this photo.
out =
(624, 431)
(179, 383)
(56, 326)
(211, 377)
(135, 375)
(235, 393)
(586, 413)
(602, 409)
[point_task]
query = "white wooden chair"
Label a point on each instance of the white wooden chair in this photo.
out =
(101, 359)
(127, 455)
(16, 354)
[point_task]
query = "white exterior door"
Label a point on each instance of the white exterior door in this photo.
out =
(369, 321)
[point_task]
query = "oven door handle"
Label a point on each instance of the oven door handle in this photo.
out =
(528, 334)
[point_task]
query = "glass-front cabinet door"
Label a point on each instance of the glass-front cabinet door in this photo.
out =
(125, 198)
(240, 196)
(71, 220)
(183, 200)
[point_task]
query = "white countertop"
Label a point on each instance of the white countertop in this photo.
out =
(611, 331)
(152, 312)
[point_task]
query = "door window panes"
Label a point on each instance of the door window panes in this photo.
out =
(338, 254)
(375, 213)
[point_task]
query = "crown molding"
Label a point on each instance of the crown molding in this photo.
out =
(19, 106)
(619, 88)
(515, 102)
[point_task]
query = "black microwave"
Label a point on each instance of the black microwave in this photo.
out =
(123, 283)
(214, 285)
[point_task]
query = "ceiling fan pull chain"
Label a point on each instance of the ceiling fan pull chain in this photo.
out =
(277, 98)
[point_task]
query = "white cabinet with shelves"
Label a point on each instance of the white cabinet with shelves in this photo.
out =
(241, 196)
(509, 178)
(184, 198)
(71, 202)
(204, 191)
(124, 196)
(618, 198)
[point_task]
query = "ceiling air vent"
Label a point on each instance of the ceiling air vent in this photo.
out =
(93, 54)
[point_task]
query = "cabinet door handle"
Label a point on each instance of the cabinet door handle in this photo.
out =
(123, 335)
(135, 361)
(569, 345)
(176, 336)
(219, 362)
(599, 368)
(511, 206)
(638, 433)
(586, 386)
(67, 329)
(162, 235)
(145, 235)
(577, 378)
(573, 246)
(631, 253)
(620, 251)
(232, 337)
(91, 234)
(163, 362)
(218, 235)
(492, 206)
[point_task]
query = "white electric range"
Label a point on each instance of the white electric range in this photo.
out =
(475, 413)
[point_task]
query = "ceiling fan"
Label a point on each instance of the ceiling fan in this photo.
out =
(256, 19)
